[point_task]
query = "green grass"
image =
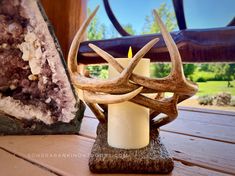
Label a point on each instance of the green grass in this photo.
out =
(207, 76)
(215, 87)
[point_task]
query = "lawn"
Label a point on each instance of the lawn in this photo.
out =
(214, 87)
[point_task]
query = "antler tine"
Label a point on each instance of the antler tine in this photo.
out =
(72, 55)
(180, 98)
(106, 56)
(110, 59)
(177, 67)
(159, 96)
(150, 85)
(112, 85)
(169, 118)
(104, 107)
(157, 105)
(82, 82)
(138, 56)
(92, 97)
(172, 48)
(97, 112)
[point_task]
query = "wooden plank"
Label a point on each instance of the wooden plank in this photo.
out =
(206, 110)
(217, 126)
(12, 165)
(210, 118)
(74, 153)
(64, 154)
(201, 152)
(89, 113)
(88, 127)
(210, 126)
(197, 151)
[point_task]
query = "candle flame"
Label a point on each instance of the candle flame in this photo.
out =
(130, 52)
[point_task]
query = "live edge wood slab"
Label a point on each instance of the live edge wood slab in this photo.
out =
(151, 159)
(195, 45)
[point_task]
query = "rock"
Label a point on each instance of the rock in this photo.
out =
(205, 100)
(223, 99)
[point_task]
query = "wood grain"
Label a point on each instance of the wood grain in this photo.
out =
(74, 151)
(11, 165)
(206, 125)
(66, 16)
(206, 110)
(210, 154)
(195, 45)
(197, 151)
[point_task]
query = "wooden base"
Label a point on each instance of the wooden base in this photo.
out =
(151, 159)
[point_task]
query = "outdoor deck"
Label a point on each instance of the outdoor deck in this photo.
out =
(201, 142)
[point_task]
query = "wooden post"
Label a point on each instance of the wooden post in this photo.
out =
(66, 17)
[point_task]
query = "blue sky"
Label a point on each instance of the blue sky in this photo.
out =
(199, 13)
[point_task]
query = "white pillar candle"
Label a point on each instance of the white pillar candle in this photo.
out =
(128, 123)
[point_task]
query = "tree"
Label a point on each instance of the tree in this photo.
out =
(168, 16)
(205, 67)
(129, 29)
(95, 30)
(224, 72)
(189, 69)
(160, 70)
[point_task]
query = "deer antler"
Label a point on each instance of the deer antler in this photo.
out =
(106, 86)
(98, 92)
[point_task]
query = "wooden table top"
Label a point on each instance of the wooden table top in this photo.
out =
(200, 141)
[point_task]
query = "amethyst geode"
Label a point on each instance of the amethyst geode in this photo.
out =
(36, 96)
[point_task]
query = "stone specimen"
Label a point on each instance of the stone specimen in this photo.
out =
(36, 96)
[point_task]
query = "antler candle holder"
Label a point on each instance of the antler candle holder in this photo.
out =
(132, 87)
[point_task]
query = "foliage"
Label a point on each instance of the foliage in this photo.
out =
(205, 67)
(162, 70)
(98, 70)
(221, 72)
(104, 73)
(95, 30)
(129, 29)
(189, 69)
(159, 70)
(202, 76)
(225, 72)
(168, 16)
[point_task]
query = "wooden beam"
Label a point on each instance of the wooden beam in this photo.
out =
(66, 17)
(195, 45)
